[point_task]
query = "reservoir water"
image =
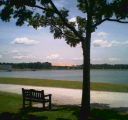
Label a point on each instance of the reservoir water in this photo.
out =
(104, 76)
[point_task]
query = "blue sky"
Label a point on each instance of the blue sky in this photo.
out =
(24, 44)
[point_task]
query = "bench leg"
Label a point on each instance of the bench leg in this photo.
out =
(50, 105)
(30, 103)
(43, 105)
(23, 104)
(50, 102)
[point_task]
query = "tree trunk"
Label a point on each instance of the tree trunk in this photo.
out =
(85, 103)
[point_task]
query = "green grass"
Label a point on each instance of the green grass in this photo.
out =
(42, 82)
(10, 109)
(65, 84)
(9, 102)
(109, 87)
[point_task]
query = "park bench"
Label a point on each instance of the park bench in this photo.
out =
(31, 95)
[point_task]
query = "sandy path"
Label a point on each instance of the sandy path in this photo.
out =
(62, 96)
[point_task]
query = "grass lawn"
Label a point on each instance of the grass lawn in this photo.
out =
(65, 84)
(10, 109)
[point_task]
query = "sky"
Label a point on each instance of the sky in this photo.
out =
(109, 44)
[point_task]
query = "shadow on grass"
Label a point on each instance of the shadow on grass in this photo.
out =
(20, 116)
(62, 119)
(104, 112)
(24, 114)
(98, 112)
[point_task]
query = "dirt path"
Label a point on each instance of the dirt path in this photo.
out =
(62, 96)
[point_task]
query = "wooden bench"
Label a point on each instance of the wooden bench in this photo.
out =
(31, 95)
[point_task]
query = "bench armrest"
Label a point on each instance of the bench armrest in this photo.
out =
(48, 95)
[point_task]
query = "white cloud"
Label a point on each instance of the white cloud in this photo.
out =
(118, 43)
(102, 34)
(113, 59)
(25, 41)
(15, 51)
(100, 40)
(21, 57)
(39, 28)
(96, 59)
(52, 56)
(101, 43)
(79, 58)
(106, 43)
(0, 56)
(60, 3)
(72, 19)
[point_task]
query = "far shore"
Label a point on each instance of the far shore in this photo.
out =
(64, 84)
(27, 69)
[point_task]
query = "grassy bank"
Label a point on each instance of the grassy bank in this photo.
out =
(11, 105)
(65, 84)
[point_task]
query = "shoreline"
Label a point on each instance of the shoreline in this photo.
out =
(27, 69)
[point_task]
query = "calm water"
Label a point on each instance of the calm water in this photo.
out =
(106, 76)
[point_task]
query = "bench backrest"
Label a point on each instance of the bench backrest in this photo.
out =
(31, 93)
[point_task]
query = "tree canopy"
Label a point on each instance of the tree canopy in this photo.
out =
(44, 13)
(26, 11)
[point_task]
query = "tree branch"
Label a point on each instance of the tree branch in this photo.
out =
(98, 23)
(116, 20)
(36, 6)
(86, 2)
(109, 19)
(65, 21)
(64, 33)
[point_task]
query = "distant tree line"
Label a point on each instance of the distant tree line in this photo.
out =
(94, 66)
(106, 66)
(48, 65)
(33, 66)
